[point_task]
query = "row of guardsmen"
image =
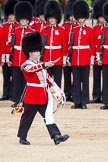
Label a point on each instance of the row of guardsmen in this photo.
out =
(73, 46)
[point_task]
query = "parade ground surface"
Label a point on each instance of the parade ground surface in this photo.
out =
(88, 130)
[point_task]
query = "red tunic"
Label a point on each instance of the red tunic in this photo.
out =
(33, 22)
(39, 26)
(1, 38)
(83, 46)
(35, 77)
(56, 44)
(8, 30)
(18, 55)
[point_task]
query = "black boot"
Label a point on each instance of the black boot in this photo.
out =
(84, 106)
(104, 107)
(3, 98)
(69, 98)
(76, 106)
(60, 138)
(14, 105)
(95, 100)
(24, 141)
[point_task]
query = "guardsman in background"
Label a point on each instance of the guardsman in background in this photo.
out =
(23, 14)
(34, 20)
(81, 55)
(97, 68)
(56, 40)
(8, 30)
(69, 24)
(1, 36)
(39, 12)
(36, 96)
(102, 52)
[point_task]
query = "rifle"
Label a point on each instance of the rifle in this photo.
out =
(12, 47)
(101, 44)
(71, 44)
(44, 39)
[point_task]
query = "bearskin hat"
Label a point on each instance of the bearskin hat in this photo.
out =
(68, 9)
(39, 7)
(80, 9)
(31, 1)
(9, 7)
(97, 8)
(53, 9)
(23, 10)
(31, 42)
(105, 11)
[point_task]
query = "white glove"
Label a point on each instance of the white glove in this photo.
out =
(98, 56)
(92, 60)
(7, 58)
(3, 58)
(64, 60)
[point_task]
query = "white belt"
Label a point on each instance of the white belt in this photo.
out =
(105, 46)
(53, 47)
(81, 47)
(35, 85)
(18, 48)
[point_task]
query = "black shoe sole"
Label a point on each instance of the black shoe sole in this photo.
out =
(65, 139)
(58, 141)
(24, 142)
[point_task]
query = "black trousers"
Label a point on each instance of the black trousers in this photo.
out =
(105, 84)
(27, 119)
(81, 84)
(7, 80)
(56, 73)
(97, 90)
(18, 84)
(68, 84)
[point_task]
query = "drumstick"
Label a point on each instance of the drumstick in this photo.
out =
(55, 61)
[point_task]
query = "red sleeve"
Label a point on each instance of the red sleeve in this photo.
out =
(1, 42)
(32, 68)
(93, 42)
(64, 43)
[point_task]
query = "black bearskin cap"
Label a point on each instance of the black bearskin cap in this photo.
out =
(39, 7)
(53, 9)
(31, 1)
(68, 8)
(105, 11)
(80, 9)
(9, 7)
(31, 42)
(97, 8)
(23, 10)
